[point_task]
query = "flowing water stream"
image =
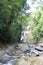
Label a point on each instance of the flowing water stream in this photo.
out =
(11, 56)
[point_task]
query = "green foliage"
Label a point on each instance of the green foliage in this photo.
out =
(9, 14)
(15, 29)
(35, 20)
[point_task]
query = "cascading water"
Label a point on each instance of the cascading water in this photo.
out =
(33, 6)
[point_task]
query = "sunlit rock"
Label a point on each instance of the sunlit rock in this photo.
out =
(30, 61)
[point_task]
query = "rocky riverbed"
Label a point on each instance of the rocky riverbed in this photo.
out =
(22, 54)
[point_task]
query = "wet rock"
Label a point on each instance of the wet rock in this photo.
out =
(39, 48)
(2, 51)
(33, 46)
(1, 64)
(11, 62)
(10, 48)
(34, 53)
(27, 51)
(23, 47)
(10, 51)
(18, 52)
(5, 58)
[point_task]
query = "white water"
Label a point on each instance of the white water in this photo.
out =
(32, 8)
(10, 62)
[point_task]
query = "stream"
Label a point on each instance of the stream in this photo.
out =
(15, 52)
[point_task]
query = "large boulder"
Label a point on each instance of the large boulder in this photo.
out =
(5, 58)
(39, 48)
(30, 61)
(10, 50)
(23, 61)
(23, 47)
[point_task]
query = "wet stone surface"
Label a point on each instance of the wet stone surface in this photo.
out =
(13, 53)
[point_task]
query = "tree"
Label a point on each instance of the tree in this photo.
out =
(9, 13)
(35, 20)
